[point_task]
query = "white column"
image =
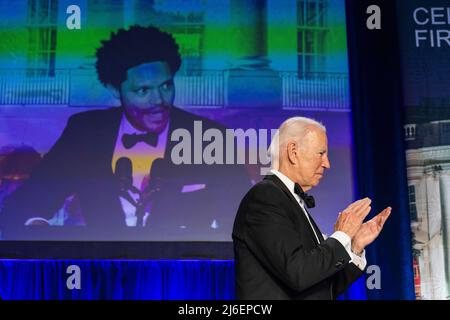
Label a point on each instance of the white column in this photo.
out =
(435, 244)
(434, 205)
(438, 282)
(445, 212)
(129, 13)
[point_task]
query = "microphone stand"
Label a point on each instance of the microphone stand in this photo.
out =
(145, 199)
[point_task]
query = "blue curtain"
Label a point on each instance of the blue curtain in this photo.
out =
(118, 279)
(125, 280)
(379, 159)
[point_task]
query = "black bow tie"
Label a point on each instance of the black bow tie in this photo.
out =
(309, 200)
(130, 140)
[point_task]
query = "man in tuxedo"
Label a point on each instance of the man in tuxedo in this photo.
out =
(280, 252)
(104, 158)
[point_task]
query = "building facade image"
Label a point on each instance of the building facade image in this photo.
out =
(293, 52)
(428, 168)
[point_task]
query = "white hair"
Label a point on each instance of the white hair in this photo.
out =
(292, 129)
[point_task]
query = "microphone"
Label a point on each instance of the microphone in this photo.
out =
(124, 177)
(124, 172)
(157, 171)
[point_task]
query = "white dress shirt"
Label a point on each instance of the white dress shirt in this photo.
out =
(141, 156)
(342, 237)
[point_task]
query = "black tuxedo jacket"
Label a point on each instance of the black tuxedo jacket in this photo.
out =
(276, 253)
(80, 163)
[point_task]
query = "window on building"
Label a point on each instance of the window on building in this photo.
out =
(188, 28)
(42, 24)
(311, 36)
(412, 202)
(190, 39)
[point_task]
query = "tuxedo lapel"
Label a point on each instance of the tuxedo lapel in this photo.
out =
(99, 130)
(283, 187)
(107, 136)
(316, 228)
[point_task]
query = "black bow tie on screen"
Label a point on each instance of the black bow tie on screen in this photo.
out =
(309, 200)
(130, 140)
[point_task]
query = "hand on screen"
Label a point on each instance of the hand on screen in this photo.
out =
(37, 221)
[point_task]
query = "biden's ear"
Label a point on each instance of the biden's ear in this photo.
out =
(114, 91)
(292, 152)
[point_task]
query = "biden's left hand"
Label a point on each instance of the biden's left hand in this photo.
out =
(369, 231)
